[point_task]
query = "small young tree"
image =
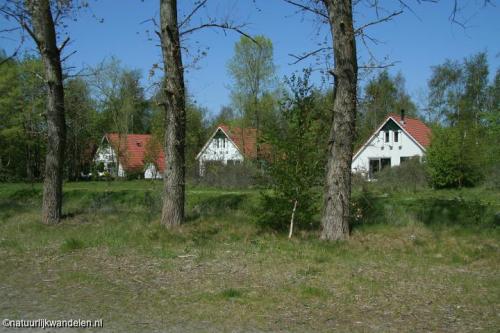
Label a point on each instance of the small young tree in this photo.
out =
(295, 165)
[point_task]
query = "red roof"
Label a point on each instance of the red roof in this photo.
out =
(416, 128)
(133, 150)
(245, 139)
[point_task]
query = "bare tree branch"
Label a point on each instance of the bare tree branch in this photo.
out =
(223, 26)
(66, 57)
(383, 19)
(64, 43)
(190, 15)
(308, 8)
(299, 58)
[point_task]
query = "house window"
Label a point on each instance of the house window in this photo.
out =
(396, 136)
(386, 136)
(217, 143)
(224, 143)
(377, 164)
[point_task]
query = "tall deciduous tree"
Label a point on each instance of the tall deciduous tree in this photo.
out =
(339, 16)
(82, 121)
(174, 104)
(460, 97)
(252, 68)
(44, 34)
(173, 100)
(335, 217)
(39, 19)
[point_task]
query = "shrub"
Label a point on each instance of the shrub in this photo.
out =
(410, 175)
(454, 158)
(276, 211)
(296, 159)
(492, 178)
(72, 244)
(226, 176)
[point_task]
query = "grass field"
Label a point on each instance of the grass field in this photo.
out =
(426, 261)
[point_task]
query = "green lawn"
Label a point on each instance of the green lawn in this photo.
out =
(426, 261)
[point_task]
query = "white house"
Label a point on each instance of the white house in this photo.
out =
(137, 155)
(398, 139)
(228, 145)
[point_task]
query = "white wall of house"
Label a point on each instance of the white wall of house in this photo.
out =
(219, 149)
(378, 147)
(107, 156)
(152, 173)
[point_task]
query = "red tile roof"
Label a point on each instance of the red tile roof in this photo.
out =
(416, 128)
(245, 139)
(133, 150)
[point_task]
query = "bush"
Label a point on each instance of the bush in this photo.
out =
(454, 158)
(409, 176)
(492, 178)
(276, 211)
(296, 159)
(226, 176)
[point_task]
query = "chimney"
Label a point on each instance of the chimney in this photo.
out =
(402, 116)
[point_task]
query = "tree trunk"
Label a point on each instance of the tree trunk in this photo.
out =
(175, 117)
(335, 219)
(45, 38)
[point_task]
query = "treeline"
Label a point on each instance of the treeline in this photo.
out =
(108, 98)
(463, 108)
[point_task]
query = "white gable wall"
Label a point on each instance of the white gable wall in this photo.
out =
(378, 148)
(152, 173)
(106, 155)
(219, 149)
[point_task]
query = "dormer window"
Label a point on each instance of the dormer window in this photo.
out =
(387, 138)
(396, 136)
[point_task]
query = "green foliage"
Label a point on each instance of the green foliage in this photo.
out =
(22, 123)
(454, 158)
(462, 100)
(72, 244)
(231, 176)
(231, 293)
(491, 121)
(253, 71)
(409, 176)
(82, 121)
(296, 162)
(120, 98)
(458, 91)
(252, 66)
(383, 94)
